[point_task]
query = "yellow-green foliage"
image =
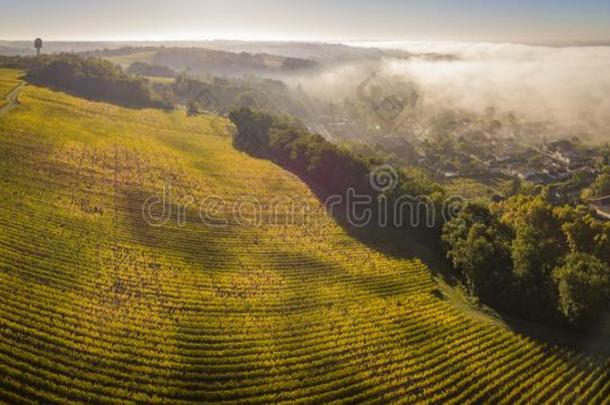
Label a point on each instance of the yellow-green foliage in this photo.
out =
(161, 80)
(482, 187)
(97, 306)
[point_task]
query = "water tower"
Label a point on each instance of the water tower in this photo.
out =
(38, 45)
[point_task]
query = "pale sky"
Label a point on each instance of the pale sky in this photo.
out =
(330, 20)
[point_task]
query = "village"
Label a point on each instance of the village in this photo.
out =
(565, 166)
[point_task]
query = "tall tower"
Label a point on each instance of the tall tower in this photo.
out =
(38, 45)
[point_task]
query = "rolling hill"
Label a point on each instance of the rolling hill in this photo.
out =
(207, 61)
(99, 305)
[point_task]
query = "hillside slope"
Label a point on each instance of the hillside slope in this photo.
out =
(207, 61)
(96, 305)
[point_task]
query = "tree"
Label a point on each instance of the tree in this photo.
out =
(601, 185)
(530, 265)
(583, 285)
(584, 233)
(193, 108)
(475, 248)
(252, 129)
(513, 188)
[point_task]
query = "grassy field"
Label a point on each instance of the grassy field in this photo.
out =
(161, 80)
(484, 187)
(98, 306)
(126, 60)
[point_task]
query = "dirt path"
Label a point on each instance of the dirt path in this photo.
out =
(12, 99)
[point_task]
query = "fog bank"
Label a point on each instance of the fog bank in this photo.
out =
(568, 86)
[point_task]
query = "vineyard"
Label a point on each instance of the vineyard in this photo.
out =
(97, 305)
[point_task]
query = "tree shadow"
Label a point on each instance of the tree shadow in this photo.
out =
(421, 244)
(172, 228)
(398, 243)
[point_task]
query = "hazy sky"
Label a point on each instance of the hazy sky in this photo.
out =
(479, 20)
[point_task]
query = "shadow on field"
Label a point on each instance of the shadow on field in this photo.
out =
(415, 244)
(395, 243)
(179, 231)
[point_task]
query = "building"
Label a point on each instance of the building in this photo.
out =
(567, 153)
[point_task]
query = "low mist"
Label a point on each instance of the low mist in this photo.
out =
(568, 88)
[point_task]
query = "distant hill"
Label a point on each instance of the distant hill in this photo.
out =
(26, 48)
(321, 52)
(207, 61)
(13, 51)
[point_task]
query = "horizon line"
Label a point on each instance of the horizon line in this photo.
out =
(555, 42)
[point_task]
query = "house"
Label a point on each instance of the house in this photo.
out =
(567, 153)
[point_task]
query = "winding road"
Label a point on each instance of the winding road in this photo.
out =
(12, 99)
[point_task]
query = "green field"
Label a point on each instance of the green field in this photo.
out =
(98, 306)
(484, 187)
(126, 60)
(161, 80)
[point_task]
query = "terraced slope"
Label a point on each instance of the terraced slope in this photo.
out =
(98, 306)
